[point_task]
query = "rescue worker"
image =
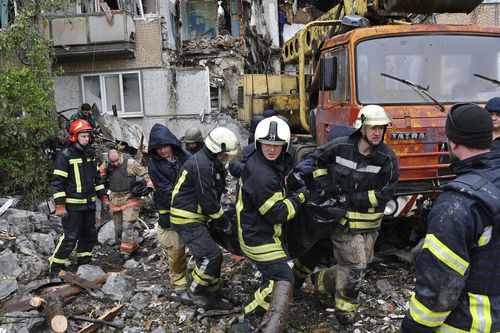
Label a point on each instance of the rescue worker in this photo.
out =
(361, 172)
(262, 207)
(493, 107)
(195, 199)
(167, 158)
(457, 272)
(193, 140)
(125, 177)
(85, 113)
(54, 144)
(75, 183)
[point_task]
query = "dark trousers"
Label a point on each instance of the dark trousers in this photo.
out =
(78, 226)
(305, 264)
(208, 256)
(271, 272)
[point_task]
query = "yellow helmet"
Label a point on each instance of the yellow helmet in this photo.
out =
(222, 140)
(372, 115)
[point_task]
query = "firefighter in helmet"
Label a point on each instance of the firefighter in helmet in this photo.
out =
(263, 206)
(196, 199)
(76, 184)
(193, 140)
(361, 172)
(128, 181)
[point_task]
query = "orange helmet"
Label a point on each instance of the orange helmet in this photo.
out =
(77, 126)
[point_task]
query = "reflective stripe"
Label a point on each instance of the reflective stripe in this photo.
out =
(373, 198)
(163, 211)
(344, 305)
(449, 329)
(76, 171)
(262, 253)
(53, 259)
(445, 254)
(215, 216)
(345, 162)
(300, 270)
(424, 316)
(60, 173)
(184, 213)
(320, 172)
(353, 165)
(181, 180)
(181, 282)
(291, 209)
(127, 204)
(364, 216)
(480, 310)
(183, 220)
(365, 225)
(99, 187)
(59, 195)
(260, 298)
(301, 197)
(78, 201)
(270, 202)
(83, 254)
(485, 237)
(320, 282)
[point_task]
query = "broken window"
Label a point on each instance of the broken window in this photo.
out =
(200, 19)
(136, 7)
(114, 91)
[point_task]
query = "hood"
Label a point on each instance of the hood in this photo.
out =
(160, 135)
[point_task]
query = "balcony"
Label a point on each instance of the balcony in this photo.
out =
(92, 36)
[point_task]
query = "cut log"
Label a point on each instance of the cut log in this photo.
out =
(54, 312)
(274, 321)
(65, 292)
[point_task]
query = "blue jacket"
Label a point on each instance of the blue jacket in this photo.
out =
(457, 229)
(162, 172)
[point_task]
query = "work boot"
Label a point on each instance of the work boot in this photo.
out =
(345, 318)
(84, 260)
(54, 277)
(298, 292)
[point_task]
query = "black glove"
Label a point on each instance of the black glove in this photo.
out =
(305, 194)
(223, 225)
(304, 168)
(344, 200)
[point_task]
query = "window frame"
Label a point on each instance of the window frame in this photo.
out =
(103, 106)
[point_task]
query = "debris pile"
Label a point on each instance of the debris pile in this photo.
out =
(133, 294)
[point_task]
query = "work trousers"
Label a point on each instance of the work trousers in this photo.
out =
(172, 244)
(271, 272)
(125, 209)
(352, 253)
(208, 256)
(78, 226)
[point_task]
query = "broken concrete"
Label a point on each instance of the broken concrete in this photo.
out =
(119, 287)
(7, 286)
(9, 266)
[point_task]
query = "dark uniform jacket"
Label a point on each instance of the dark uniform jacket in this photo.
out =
(368, 182)
(495, 145)
(444, 298)
(75, 180)
(162, 172)
(200, 185)
(263, 206)
(79, 115)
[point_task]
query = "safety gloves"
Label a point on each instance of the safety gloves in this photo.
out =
(223, 225)
(61, 211)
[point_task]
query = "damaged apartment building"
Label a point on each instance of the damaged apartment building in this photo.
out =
(173, 62)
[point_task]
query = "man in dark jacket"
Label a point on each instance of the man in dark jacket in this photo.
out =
(76, 183)
(457, 284)
(360, 172)
(493, 107)
(166, 160)
(193, 140)
(195, 200)
(263, 206)
(54, 144)
(85, 113)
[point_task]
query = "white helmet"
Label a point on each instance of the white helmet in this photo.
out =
(272, 131)
(222, 140)
(372, 115)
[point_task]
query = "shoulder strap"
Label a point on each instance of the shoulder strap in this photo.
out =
(480, 189)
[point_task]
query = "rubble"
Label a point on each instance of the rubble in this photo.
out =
(139, 284)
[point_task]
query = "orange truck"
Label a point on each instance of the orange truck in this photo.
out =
(415, 71)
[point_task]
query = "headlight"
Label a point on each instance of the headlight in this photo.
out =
(391, 207)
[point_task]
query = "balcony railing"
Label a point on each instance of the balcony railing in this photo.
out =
(92, 35)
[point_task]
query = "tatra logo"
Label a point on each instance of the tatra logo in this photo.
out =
(408, 136)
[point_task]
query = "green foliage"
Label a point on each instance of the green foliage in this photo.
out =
(26, 104)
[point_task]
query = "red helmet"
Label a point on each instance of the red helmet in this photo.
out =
(77, 126)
